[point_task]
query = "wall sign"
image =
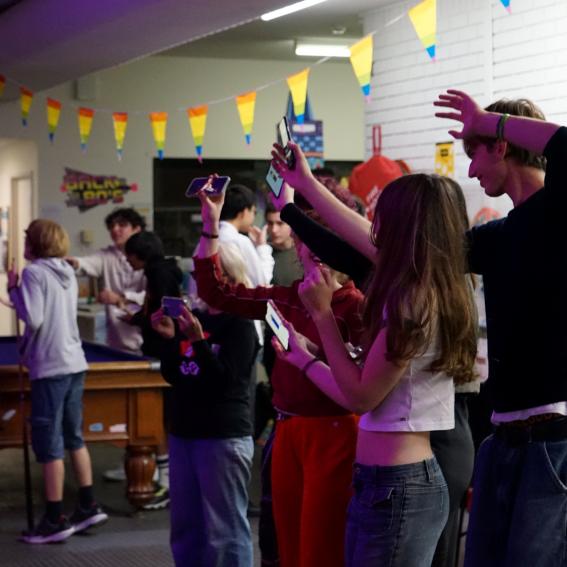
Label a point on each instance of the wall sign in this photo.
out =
(86, 191)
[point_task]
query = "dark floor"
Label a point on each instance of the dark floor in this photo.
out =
(129, 538)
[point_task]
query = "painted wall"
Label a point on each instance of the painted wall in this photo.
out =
(482, 50)
(169, 84)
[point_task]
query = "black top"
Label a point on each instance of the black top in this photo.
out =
(523, 261)
(163, 278)
(211, 393)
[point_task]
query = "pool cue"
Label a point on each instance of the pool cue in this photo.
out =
(27, 469)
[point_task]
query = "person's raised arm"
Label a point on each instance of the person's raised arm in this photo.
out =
(211, 207)
(363, 389)
(344, 221)
(528, 133)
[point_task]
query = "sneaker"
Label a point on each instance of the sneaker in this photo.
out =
(47, 532)
(159, 501)
(83, 519)
(115, 475)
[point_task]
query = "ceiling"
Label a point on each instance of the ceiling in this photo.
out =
(44, 43)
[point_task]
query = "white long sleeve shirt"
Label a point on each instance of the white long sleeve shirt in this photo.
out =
(111, 265)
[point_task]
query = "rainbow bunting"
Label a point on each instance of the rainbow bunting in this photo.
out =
(120, 121)
(298, 87)
(424, 20)
(85, 116)
(26, 97)
(53, 113)
(245, 104)
(361, 60)
(159, 125)
(506, 4)
(2, 84)
(198, 122)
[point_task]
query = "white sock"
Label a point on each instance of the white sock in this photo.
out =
(162, 462)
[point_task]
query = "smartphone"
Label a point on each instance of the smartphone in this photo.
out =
(284, 136)
(274, 181)
(276, 324)
(173, 306)
(219, 185)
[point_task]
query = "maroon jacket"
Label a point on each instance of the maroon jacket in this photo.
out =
(293, 393)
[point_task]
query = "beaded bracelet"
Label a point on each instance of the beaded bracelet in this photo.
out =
(500, 126)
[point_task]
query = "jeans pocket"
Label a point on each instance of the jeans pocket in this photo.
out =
(555, 458)
(374, 508)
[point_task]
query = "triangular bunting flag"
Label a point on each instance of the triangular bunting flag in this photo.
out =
(53, 113)
(245, 104)
(298, 87)
(506, 4)
(85, 116)
(361, 59)
(120, 121)
(26, 97)
(159, 125)
(2, 84)
(198, 122)
(424, 20)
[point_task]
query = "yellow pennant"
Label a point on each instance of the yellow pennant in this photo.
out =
(197, 116)
(53, 113)
(245, 104)
(159, 126)
(361, 59)
(298, 87)
(26, 97)
(424, 20)
(85, 125)
(120, 122)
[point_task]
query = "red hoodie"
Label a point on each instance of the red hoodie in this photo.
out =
(293, 393)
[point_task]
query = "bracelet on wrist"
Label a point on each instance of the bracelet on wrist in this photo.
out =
(209, 234)
(500, 126)
(309, 364)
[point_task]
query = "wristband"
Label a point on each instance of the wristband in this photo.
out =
(500, 126)
(309, 364)
(209, 234)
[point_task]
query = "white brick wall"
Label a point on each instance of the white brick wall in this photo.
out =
(480, 49)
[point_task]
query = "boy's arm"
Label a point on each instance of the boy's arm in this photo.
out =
(28, 300)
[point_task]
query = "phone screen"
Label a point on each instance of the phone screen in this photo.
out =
(274, 181)
(219, 185)
(275, 323)
(284, 136)
(172, 306)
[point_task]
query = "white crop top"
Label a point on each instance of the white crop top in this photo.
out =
(421, 401)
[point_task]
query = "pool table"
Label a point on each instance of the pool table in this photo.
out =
(122, 405)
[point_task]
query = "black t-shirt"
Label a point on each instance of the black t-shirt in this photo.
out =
(211, 379)
(523, 261)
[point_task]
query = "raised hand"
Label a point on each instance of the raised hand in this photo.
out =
(258, 235)
(285, 197)
(190, 326)
(162, 324)
(468, 112)
(211, 205)
(300, 176)
(316, 291)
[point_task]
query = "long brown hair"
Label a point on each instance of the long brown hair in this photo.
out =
(420, 284)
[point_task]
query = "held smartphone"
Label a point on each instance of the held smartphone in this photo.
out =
(219, 185)
(173, 306)
(284, 135)
(276, 324)
(274, 181)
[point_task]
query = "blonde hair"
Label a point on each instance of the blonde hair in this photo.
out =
(47, 239)
(233, 264)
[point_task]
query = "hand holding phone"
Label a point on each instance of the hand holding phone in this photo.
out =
(274, 181)
(275, 323)
(284, 136)
(212, 187)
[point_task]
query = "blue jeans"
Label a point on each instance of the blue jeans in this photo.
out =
(208, 486)
(57, 416)
(519, 512)
(396, 515)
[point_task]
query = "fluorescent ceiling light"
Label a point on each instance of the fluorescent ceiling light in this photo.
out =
(321, 50)
(290, 9)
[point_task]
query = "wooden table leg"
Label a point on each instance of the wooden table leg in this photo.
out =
(140, 465)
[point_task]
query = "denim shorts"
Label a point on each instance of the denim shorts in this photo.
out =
(57, 415)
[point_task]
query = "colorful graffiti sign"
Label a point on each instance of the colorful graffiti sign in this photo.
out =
(86, 191)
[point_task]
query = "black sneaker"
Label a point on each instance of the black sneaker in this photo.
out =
(47, 532)
(159, 501)
(83, 519)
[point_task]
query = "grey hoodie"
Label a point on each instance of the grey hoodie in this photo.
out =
(46, 301)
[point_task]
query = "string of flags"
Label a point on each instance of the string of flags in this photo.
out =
(423, 17)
